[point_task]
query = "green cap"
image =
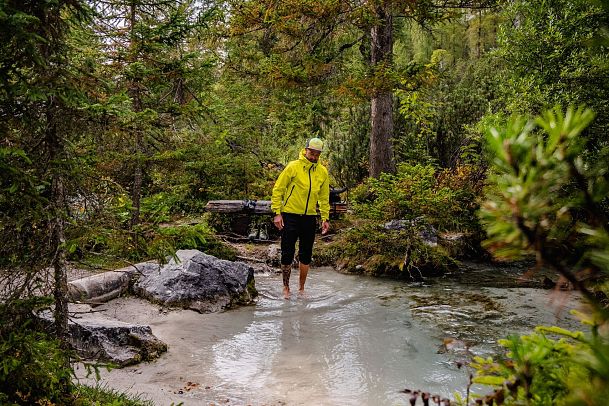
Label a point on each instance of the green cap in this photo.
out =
(316, 144)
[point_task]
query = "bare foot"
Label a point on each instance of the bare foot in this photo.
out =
(302, 293)
(286, 293)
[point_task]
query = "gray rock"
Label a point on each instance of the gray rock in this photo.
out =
(115, 342)
(429, 235)
(427, 232)
(398, 225)
(102, 339)
(199, 282)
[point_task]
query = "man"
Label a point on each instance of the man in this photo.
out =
(300, 187)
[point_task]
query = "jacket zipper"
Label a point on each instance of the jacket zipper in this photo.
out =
(310, 187)
(288, 198)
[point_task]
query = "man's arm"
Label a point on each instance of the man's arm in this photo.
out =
(279, 189)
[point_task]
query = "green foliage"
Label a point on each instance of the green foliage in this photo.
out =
(147, 241)
(421, 115)
(221, 172)
(546, 190)
(22, 202)
(348, 145)
(33, 367)
(104, 239)
(549, 57)
(539, 370)
(37, 86)
(159, 207)
(104, 396)
(447, 200)
(199, 236)
(451, 89)
(165, 240)
(40, 99)
(391, 196)
(549, 197)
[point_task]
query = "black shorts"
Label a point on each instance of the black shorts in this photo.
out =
(297, 227)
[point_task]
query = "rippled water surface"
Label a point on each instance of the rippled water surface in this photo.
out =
(350, 341)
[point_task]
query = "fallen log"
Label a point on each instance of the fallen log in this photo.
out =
(239, 206)
(258, 206)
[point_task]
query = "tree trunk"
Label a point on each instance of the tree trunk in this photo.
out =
(136, 100)
(381, 115)
(59, 261)
(381, 150)
(478, 43)
(136, 192)
(57, 223)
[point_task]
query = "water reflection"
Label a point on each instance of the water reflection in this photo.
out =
(248, 356)
(344, 340)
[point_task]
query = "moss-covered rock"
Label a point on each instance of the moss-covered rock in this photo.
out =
(374, 250)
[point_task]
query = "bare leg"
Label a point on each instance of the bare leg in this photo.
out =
(286, 270)
(304, 270)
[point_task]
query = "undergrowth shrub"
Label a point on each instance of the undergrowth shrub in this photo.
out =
(146, 241)
(551, 366)
(198, 236)
(448, 199)
(33, 367)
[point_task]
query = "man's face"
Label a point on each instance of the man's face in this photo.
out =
(312, 155)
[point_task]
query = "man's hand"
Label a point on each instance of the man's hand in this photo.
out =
(278, 221)
(325, 227)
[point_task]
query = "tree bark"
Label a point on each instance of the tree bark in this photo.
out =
(59, 262)
(136, 192)
(381, 150)
(57, 223)
(381, 115)
(136, 100)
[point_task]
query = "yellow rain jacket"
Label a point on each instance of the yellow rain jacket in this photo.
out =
(300, 187)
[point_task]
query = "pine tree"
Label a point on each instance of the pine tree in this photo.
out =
(154, 69)
(40, 102)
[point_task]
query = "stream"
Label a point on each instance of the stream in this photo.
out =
(352, 340)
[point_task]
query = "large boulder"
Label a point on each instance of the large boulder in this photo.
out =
(96, 337)
(115, 342)
(199, 282)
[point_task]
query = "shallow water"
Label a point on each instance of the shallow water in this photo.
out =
(350, 341)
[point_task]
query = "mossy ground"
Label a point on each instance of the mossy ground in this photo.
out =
(370, 249)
